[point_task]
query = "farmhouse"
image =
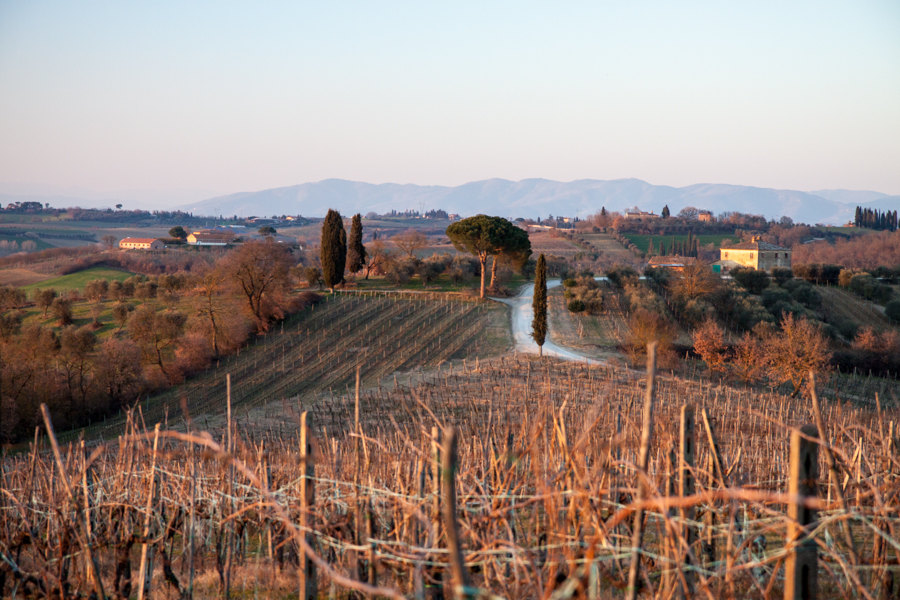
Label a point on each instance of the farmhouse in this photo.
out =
(705, 216)
(639, 214)
(755, 254)
(141, 244)
(210, 239)
(674, 263)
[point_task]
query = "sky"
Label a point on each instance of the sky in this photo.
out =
(194, 99)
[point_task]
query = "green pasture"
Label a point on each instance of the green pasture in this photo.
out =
(40, 244)
(643, 241)
(77, 281)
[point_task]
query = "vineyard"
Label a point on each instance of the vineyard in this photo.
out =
(841, 303)
(542, 243)
(591, 333)
(610, 248)
(317, 351)
(559, 480)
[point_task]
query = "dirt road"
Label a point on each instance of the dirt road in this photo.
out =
(521, 326)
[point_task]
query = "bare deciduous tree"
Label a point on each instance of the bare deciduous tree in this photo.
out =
(259, 270)
(695, 281)
(410, 241)
(377, 256)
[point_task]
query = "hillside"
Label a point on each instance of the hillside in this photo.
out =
(540, 197)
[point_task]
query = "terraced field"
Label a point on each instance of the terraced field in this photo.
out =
(542, 243)
(320, 349)
(610, 247)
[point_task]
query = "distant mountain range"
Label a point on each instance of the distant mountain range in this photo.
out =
(531, 198)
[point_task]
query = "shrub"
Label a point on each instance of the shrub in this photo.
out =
(44, 298)
(818, 273)
(892, 311)
(709, 343)
(61, 309)
(619, 276)
(576, 306)
(145, 290)
(644, 327)
(870, 288)
(752, 280)
(313, 276)
(120, 312)
(845, 327)
(782, 274)
(96, 289)
(804, 293)
(569, 283)
(11, 297)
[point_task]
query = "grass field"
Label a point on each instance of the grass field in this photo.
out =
(77, 281)
(643, 241)
(41, 244)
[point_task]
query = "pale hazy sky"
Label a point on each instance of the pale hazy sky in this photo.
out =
(227, 97)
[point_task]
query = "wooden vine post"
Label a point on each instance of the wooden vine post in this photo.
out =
(309, 589)
(801, 564)
(146, 570)
(458, 573)
(643, 461)
(685, 489)
(436, 586)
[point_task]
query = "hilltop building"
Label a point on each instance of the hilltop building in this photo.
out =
(141, 244)
(639, 214)
(210, 238)
(754, 254)
(706, 216)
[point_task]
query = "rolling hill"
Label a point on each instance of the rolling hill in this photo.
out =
(541, 197)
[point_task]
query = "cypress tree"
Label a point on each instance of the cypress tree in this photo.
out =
(356, 252)
(334, 249)
(650, 249)
(539, 304)
(665, 212)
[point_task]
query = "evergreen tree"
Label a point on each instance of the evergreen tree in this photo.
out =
(665, 212)
(696, 248)
(334, 249)
(603, 212)
(356, 252)
(857, 217)
(650, 249)
(539, 304)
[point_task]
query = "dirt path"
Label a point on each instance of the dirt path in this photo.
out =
(521, 326)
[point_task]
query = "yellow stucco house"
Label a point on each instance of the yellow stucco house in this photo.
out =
(754, 254)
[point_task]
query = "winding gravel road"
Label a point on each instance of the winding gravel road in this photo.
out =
(522, 315)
